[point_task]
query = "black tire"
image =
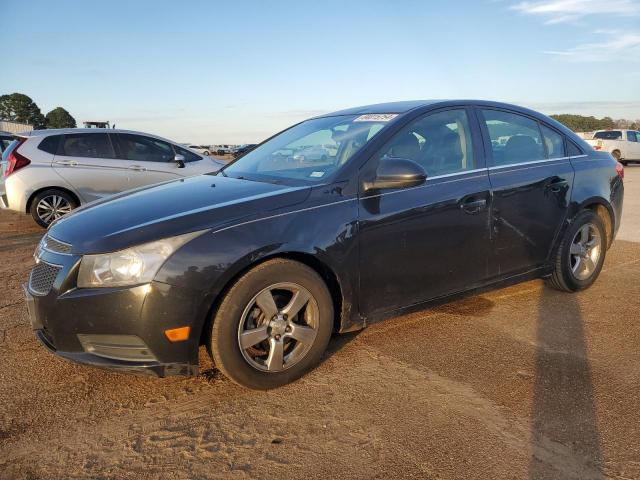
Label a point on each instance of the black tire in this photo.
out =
(50, 195)
(206, 152)
(563, 278)
(224, 339)
(624, 163)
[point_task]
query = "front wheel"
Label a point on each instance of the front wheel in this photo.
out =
(50, 205)
(272, 326)
(580, 257)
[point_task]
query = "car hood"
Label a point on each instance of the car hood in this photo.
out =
(168, 209)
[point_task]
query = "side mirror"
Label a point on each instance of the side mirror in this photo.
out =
(397, 173)
(179, 159)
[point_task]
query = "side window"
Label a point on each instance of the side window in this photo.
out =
(88, 145)
(514, 138)
(440, 142)
(188, 156)
(573, 149)
(631, 136)
(50, 144)
(143, 149)
(554, 143)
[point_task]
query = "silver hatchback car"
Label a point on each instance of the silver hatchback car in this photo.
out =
(48, 173)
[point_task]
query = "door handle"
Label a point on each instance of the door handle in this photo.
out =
(474, 206)
(67, 163)
(137, 168)
(557, 186)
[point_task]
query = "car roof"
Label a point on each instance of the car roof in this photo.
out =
(61, 131)
(407, 106)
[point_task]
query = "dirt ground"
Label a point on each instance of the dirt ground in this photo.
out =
(521, 382)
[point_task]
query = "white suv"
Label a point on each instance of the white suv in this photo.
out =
(50, 172)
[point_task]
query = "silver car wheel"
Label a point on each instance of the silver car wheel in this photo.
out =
(52, 207)
(586, 248)
(278, 327)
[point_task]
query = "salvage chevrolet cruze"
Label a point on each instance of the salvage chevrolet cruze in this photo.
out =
(410, 202)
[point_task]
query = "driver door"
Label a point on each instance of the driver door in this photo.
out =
(149, 160)
(423, 242)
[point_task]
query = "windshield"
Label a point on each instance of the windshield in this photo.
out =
(310, 151)
(609, 135)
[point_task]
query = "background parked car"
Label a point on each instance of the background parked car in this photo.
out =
(315, 153)
(623, 145)
(203, 149)
(223, 149)
(243, 149)
(48, 173)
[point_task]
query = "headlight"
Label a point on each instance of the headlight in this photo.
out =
(132, 266)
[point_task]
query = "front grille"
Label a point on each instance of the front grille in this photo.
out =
(56, 246)
(42, 277)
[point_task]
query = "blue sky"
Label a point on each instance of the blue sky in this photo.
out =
(238, 71)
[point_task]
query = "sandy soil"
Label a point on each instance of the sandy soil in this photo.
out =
(522, 382)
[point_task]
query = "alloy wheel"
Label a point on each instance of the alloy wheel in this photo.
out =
(52, 207)
(278, 327)
(586, 248)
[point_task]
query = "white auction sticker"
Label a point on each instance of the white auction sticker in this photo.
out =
(376, 117)
(316, 174)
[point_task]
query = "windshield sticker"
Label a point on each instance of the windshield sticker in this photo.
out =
(376, 117)
(316, 174)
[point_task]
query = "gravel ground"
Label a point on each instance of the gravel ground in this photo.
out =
(521, 382)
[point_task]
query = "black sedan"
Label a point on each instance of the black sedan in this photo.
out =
(261, 263)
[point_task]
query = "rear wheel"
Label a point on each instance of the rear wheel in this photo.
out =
(50, 205)
(581, 254)
(272, 326)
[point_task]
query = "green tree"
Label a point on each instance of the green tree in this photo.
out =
(580, 123)
(18, 107)
(60, 118)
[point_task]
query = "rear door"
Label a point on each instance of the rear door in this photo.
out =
(531, 178)
(88, 162)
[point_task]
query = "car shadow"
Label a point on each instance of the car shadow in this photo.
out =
(564, 428)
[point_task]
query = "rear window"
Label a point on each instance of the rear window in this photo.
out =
(50, 144)
(5, 142)
(609, 135)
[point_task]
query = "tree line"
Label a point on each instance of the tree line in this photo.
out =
(580, 123)
(18, 107)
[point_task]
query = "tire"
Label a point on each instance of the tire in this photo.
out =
(616, 154)
(624, 163)
(568, 275)
(257, 365)
(51, 204)
(206, 152)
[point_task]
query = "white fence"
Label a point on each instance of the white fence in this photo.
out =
(14, 127)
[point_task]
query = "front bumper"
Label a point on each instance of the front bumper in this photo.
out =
(115, 328)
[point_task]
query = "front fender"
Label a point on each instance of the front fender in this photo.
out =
(324, 231)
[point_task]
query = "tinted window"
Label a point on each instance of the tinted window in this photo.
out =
(92, 145)
(439, 142)
(573, 149)
(609, 135)
(4, 143)
(514, 138)
(143, 149)
(554, 143)
(632, 137)
(50, 144)
(188, 156)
